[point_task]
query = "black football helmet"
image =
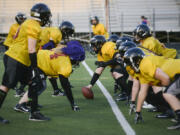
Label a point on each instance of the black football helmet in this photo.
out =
(141, 32)
(133, 57)
(67, 29)
(113, 38)
(97, 42)
(42, 13)
(94, 18)
(20, 18)
(122, 40)
(125, 46)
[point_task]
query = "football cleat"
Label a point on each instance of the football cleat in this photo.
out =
(175, 126)
(58, 92)
(3, 121)
(37, 116)
(21, 108)
(19, 93)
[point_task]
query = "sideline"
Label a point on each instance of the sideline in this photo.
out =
(119, 116)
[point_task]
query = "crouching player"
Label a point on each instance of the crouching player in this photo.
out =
(105, 53)
(159, 71)
(59, 62)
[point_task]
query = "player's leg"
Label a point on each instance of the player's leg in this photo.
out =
(170, 96)
(121, 76)
(57, 91)
(9, 80)
(20, 91)
(35, 85)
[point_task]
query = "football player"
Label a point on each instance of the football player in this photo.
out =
(105, 53)
(154, 97)
(59, 62)
(98, 28)
(13, 32)
(158, 71)
(12, 35)
(50, 37)
(142, 34)
(21, 59)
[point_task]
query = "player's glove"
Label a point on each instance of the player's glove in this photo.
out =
(138, 118)
(75, 107)
(132, 108)
(100, 64)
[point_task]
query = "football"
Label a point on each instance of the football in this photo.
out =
(88, 93)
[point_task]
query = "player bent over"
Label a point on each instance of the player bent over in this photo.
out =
(158, 71)
(59, 62)
(105, 52)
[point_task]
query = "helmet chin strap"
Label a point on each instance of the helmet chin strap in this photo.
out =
(136, 69)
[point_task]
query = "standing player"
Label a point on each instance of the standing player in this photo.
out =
(20, 18)
(98, 28)
(22, 59)
(12, 35)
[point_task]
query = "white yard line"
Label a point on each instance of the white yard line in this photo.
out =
(119, 116)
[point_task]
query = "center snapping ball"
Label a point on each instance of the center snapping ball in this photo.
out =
(88, 93)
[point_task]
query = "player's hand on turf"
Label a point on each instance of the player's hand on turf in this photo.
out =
(132, 108)
(138, 118)
(100, 64)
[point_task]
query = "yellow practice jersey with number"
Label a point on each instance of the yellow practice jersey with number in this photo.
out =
(100, 29)
(50, 33)
(53, 64)
(158, 48)
(12, 32)
(149, 64)
(107, 52)
(19, 50)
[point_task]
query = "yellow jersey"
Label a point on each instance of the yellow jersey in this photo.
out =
(100, 29)
(50, 33)
(19, 50)
(155, 46)
(130, 70)
(149, 64)
(12, 32)
(53, 64)
(107, 52)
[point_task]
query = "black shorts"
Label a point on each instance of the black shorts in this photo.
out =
(15, 72)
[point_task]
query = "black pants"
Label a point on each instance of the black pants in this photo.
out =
(14, 72)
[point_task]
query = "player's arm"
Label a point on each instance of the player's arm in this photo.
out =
(142, 96)
(116, 60)
(32, 51)
(96, 76)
